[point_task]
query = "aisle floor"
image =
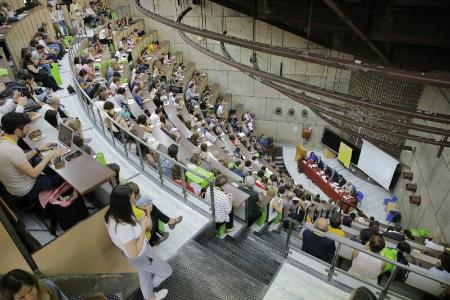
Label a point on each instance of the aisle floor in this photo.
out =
(293, 283)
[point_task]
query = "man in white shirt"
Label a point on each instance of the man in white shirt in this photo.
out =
(103, 36)
(114, 85)
(443, 268)
(17, 174)
(17, 104)
(155, 117)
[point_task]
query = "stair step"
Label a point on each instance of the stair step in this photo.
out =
(278, 239)
(239, 259)
(199, 274)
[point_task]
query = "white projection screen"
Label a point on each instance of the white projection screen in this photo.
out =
(377, 164)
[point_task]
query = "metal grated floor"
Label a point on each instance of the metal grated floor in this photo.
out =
(199, 274)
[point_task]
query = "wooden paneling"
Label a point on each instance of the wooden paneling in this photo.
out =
(84, 249)
(22, 31)
(10, 257)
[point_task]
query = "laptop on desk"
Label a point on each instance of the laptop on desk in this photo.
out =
(65, 136)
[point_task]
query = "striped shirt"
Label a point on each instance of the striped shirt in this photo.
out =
(222, 206)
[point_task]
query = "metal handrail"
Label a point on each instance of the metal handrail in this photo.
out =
(104, 116)
(361, 248)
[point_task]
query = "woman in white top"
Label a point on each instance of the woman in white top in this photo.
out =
(129, 236)
(368, 266)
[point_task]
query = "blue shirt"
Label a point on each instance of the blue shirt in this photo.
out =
(166, 166)
(109, 73)
(318, 246)
(138, 100)
(189, 94)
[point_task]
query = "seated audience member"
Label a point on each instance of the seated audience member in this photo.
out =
(223, 203)
(434, 244)
(348, 187)
(137, 96)
(142, 205)
(292, 207)
(114, 67)
(368, 266)
(15, 104)
(318, 245)
(335, 223)
(108, 107)
(20, 178)
(443, 268)
(167, 164)
(51, 116)
(40, 75)
(176, 175)
(120, 98)
(115, 84)
(155, 117)
(204, 152)
(238, 169)
(89, 87)
(347, 221)
(362, 293)
(252, 201)
(18, 284)
(194, 139)
(55, 103)
(405, 248)
(408, 235)
(395, 234)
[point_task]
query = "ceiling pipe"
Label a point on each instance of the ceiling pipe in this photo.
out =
(429, 116)
(305, 99)
(346, 19)
(378, 70)
(309, 101)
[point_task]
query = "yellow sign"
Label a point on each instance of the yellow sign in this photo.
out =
(345, 154)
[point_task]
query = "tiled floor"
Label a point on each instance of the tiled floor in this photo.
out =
(372, 204)
(293, 283)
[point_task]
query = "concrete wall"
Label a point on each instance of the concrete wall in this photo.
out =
(431, 174)
(256, 97)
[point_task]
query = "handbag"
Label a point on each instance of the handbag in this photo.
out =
(64, 204)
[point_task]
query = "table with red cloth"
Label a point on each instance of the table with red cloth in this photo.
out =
(338, 195)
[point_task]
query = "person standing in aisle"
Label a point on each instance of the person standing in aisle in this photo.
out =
(129, 236)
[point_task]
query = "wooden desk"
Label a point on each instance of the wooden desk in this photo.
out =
(171, 113)
(239, 196)
(135, 109)
(84, 173)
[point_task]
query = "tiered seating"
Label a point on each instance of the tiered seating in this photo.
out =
(175, 76)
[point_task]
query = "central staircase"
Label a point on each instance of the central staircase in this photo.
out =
(232, 268)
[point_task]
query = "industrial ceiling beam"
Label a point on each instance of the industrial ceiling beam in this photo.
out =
(346, 19)
(378, 70)
(307, 100)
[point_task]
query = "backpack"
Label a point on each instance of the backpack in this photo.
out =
(402, 274)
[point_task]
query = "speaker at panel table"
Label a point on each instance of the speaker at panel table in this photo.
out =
(345, 154)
